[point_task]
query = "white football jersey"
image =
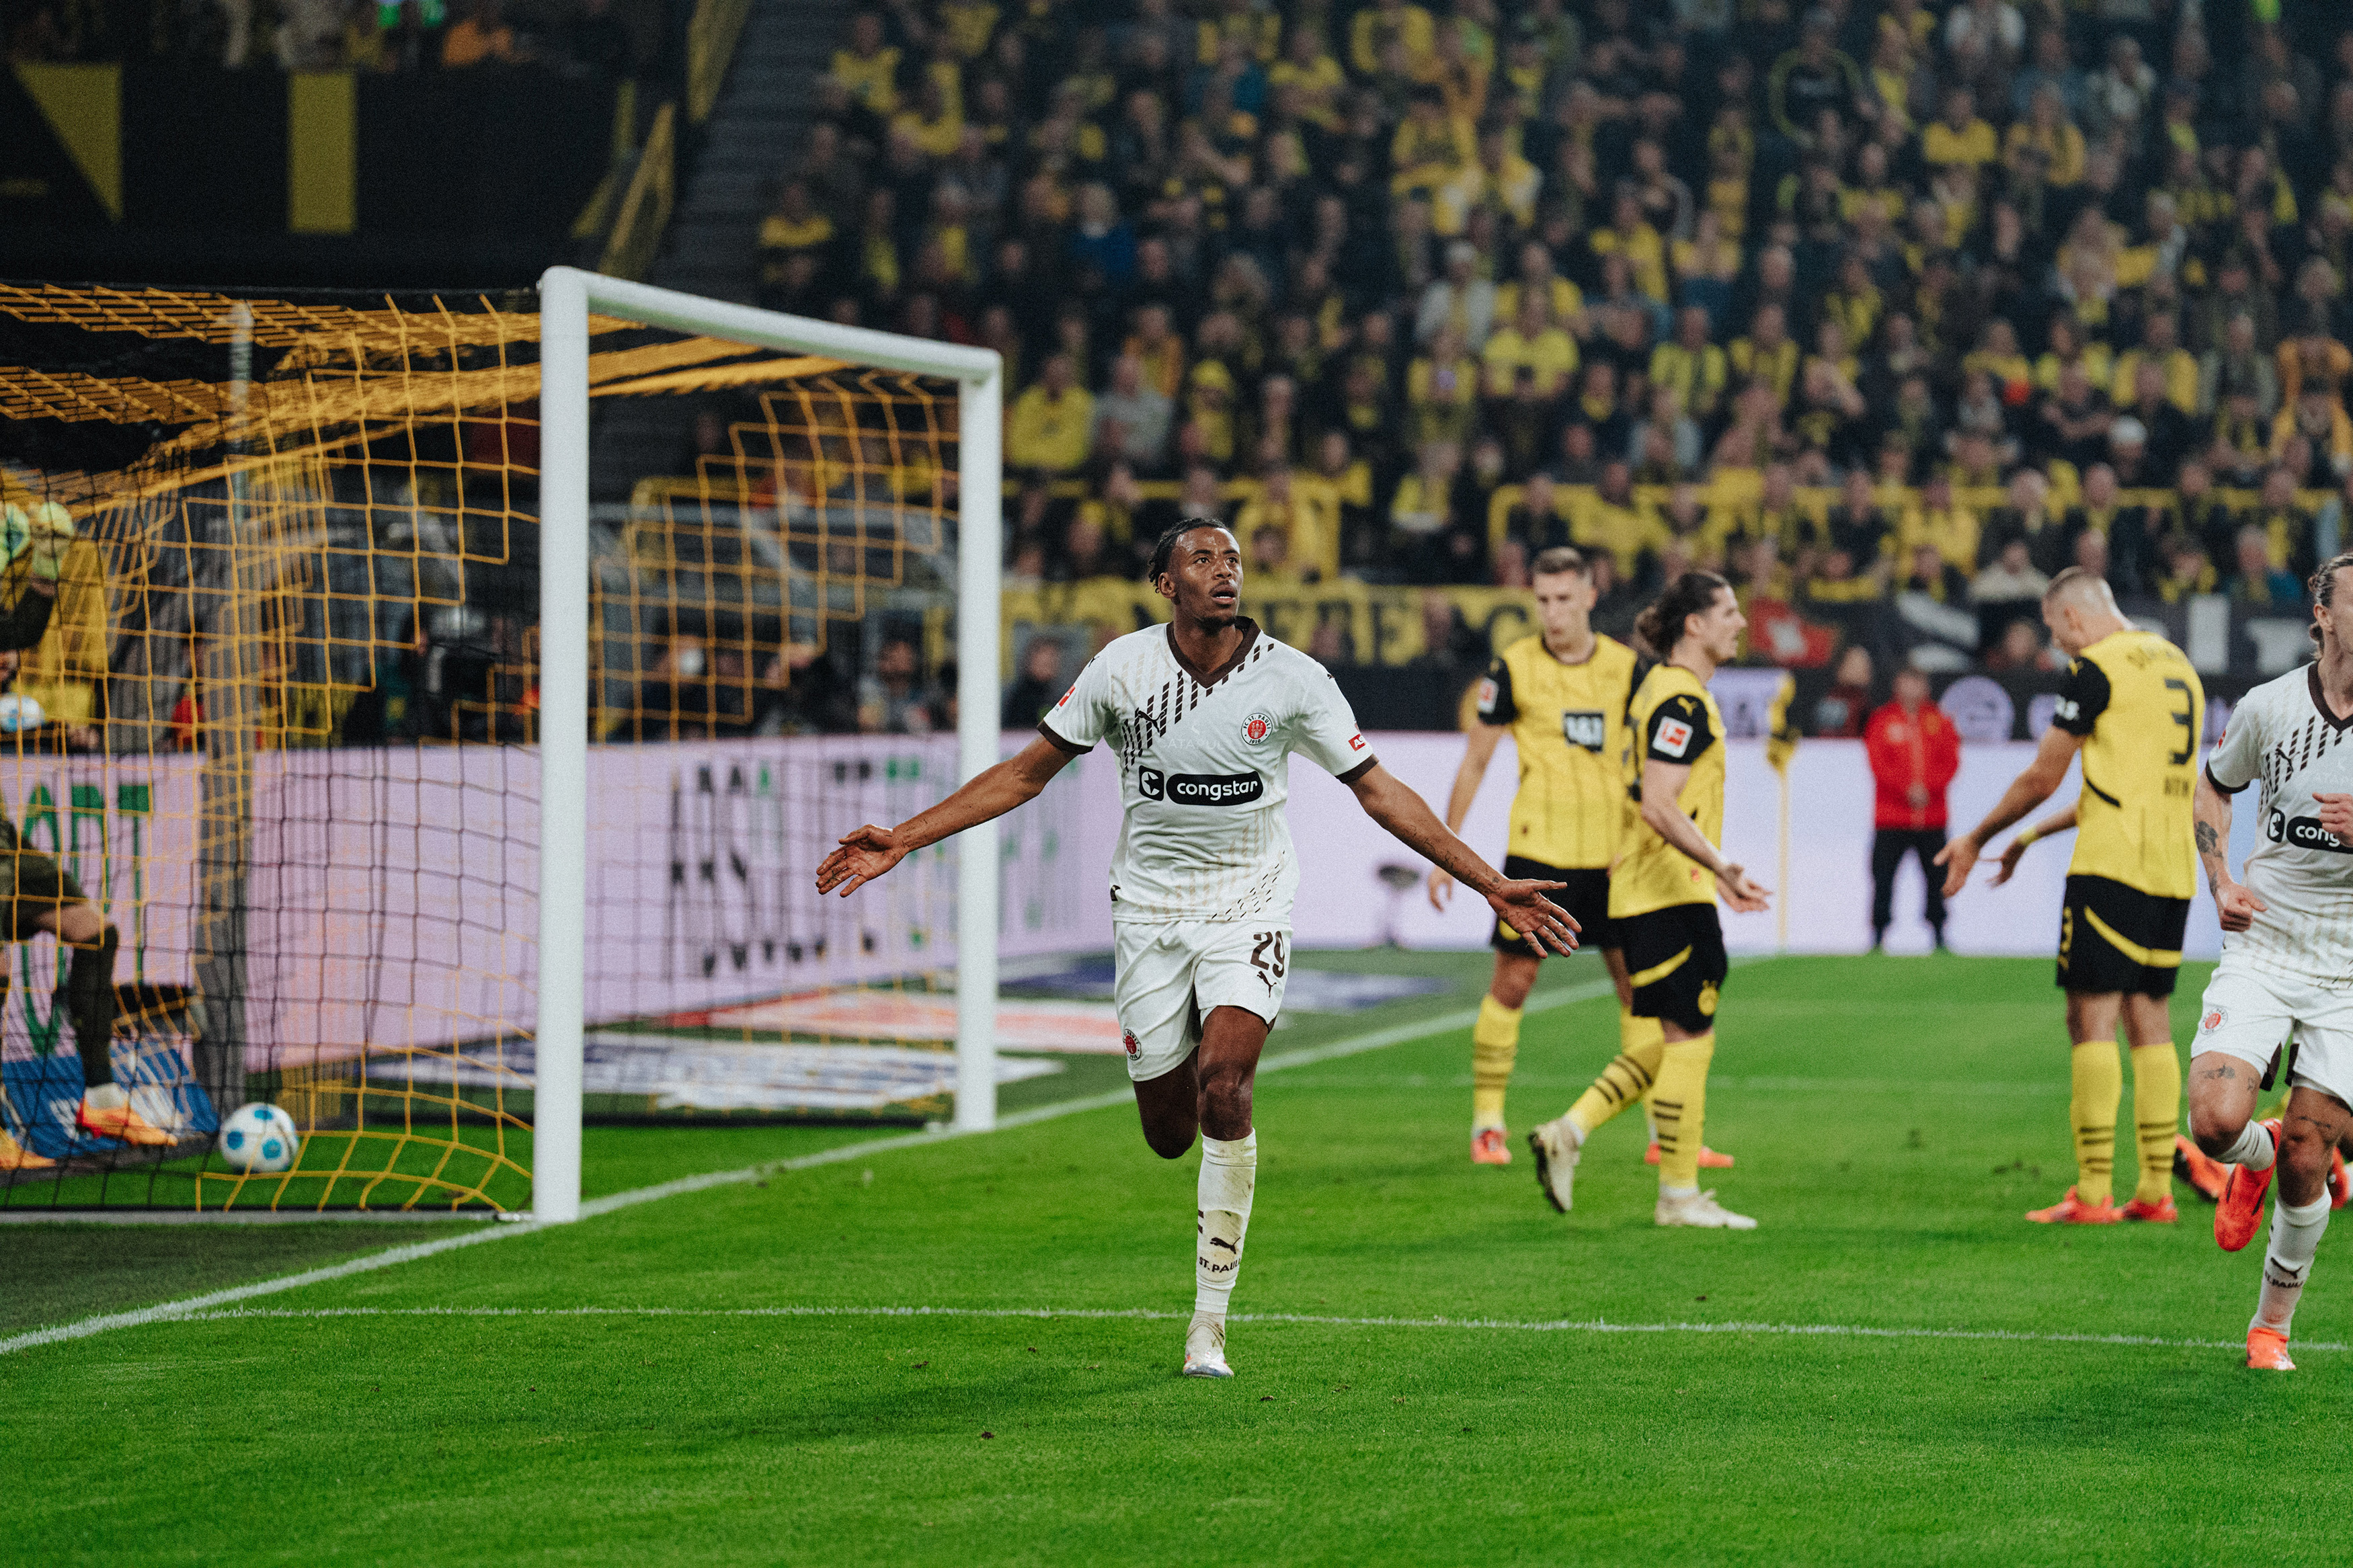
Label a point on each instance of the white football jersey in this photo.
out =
(2282, 734)
(1203, 770)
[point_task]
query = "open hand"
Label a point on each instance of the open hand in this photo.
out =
(2012, 853)
(864, 856)
(1522, 905)
(1744, 893)
(1441, 888)
(2336, 815)
(1960, 858)
(2239, 906)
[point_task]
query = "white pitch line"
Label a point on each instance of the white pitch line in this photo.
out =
(1503, 1325)
(167, 1311)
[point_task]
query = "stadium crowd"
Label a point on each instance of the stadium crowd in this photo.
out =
(1848, 302)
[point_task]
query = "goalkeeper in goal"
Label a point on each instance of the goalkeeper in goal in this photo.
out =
(38, 895)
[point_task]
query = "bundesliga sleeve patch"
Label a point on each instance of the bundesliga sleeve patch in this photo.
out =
(1487, 695)
(1673, 737)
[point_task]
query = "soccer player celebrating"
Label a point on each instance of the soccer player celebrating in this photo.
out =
(1662, 905)
(1562, 696)
(2133, 706)
(1202, 713)
(2284, 961)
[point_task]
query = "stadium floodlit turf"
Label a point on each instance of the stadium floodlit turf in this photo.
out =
(1894, 1368)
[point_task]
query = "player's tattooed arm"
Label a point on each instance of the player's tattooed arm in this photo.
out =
(2209, 810)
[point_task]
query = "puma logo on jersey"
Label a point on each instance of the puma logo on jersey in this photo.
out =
(1583, 727)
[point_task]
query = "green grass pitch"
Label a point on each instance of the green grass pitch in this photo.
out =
(725, 1377)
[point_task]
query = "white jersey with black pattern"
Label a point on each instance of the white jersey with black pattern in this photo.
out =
(2283, 737)
(1203, 770)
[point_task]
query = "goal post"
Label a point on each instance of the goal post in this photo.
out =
(568, 297)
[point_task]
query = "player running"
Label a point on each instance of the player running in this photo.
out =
(1662, 905)
(2285, 974)
(1562, 696)
(1202, 713)
(2133, 705)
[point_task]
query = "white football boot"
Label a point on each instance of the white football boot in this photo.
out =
(1556, 1145)
(1205, 1347)
(1700, 1210)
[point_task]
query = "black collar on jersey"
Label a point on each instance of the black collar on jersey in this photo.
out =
(1250, 637)
(2311, 679)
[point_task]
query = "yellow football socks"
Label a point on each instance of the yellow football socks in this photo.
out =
(1495, 1046)
(1626, 1079)
(2099, 1083)
(2156, 1116)
(1679, 1105)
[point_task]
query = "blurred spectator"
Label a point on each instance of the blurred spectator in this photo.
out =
(1051, 427)
(2255, 581)
(1131, 418)
(1840, 711)
(482, 36)
(896, 699)
(1039, 686)
(1915, 753)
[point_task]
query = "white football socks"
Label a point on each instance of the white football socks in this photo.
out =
(1229, 1173)
(2253, 1150)
(2287, 1262)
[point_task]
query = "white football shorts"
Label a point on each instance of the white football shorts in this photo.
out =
(2252, 1016)
(1169, 976)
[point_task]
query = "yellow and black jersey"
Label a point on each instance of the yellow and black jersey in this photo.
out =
(2139, 707)
(1568, 721)
(1672, 720)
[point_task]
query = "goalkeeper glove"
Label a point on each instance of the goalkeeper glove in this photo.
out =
(48, 533)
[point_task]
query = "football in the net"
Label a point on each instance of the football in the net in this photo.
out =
(18, 711)
(260, 1139)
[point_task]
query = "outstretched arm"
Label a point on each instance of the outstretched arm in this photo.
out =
(2015, 851)
(2210, 808)
(871, 851)
(1477, 751)
(1522, 905)
(1663, 785)
(2027, 791)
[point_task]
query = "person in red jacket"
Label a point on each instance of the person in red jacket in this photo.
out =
(1915, 753)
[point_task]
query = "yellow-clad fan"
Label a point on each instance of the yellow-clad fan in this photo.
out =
(2134, 708)
(1561, 695)
(1662, 913)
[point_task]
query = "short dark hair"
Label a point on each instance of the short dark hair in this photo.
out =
(1561, 558)
(1165, 549)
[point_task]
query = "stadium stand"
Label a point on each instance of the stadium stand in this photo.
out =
(1889, 311)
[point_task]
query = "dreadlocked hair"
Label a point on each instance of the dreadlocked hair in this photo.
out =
(1661, 627)
(2322, 589)
(1166, 550)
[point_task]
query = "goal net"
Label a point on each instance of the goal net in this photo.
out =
(444, 704)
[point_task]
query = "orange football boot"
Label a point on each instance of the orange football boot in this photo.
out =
(2267, 1351)
(2073, 1210)
(2161, 1212)
(118, 1121)
(2238, 1212)
(1488, 1148)
(1709, 1160)
(2205, 1175)
(15, 1156)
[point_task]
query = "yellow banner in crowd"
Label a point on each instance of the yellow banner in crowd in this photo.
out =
(1345, 621)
